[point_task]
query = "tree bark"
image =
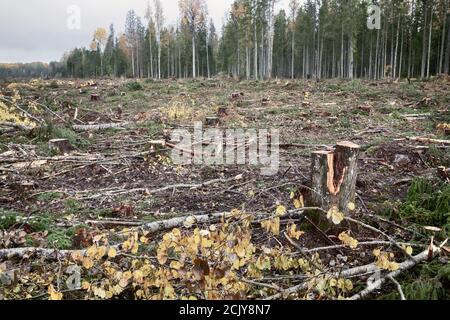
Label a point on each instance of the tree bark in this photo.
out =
(424, 42)
(333, 176)
(447, 51)
(444, 27)
(429, 41)
(193, 57)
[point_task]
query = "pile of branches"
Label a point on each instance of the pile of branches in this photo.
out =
(232, 255)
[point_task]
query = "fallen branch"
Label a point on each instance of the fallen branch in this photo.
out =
(399, 288)
(170, 187)
(429, 140)
(402, 267)
(368, 243)
(11, 126)
(367, 269)
(151, 228)
(395, 243)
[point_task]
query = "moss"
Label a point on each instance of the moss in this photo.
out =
(60, 240)
(44, 222)
(72, 205)
(427, 282)
(8, 219)
(49, 196)
(154, 128)
(427, 203)
(50, 131)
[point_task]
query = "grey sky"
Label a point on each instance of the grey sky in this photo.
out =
(37, 30)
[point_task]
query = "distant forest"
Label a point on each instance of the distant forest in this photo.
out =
(318, 38)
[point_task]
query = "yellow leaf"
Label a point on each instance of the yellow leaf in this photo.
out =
(53, 294)
(88, 263)
(138, 276)
(189, 222)
(348, 285)
(272, 225)
(135, 248)
(348, 240)
(91, 252)
(351, 206)
(143, 239)
(281, 210)
(177, 265)
(294, 233)
(85, 285)
(335, 215)
(112, 253)
(99, 292)
(394, 266)
(263, 263)
(409, 250)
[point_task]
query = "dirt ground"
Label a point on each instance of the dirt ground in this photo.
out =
(309, 115)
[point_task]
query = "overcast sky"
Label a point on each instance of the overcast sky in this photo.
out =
(37, 30)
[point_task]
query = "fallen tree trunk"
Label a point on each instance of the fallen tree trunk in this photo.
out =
(151, 228)
(429, 140)
(98, 127)
(6, 127)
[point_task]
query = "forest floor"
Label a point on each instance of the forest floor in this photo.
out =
(119, 178)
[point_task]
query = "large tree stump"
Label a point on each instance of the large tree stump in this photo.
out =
(212, 121)
(333, 177)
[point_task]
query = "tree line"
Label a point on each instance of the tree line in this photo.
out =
(312, 39)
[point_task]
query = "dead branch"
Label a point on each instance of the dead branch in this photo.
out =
(403, 267)
(367, 269)
(399, 288)
(429, 140)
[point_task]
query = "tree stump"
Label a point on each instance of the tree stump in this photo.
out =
(222, 112)
(333, 177)
(212, 121)
(61, 146)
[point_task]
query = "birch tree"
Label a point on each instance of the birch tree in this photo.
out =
(159, 19)
(192, 12)
(293, 6)
(150, 26)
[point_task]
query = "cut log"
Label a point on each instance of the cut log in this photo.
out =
(61, 146)
(333, 176)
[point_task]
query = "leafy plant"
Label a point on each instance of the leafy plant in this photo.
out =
(134, 86)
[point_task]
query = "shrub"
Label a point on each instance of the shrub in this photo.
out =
(134, 86)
